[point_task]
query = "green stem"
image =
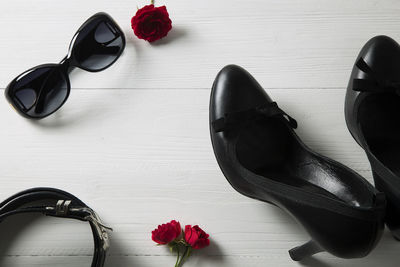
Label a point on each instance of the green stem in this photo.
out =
(183, 256)
(177, 258)
(152, 2)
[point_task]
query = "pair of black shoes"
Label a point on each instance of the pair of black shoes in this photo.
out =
(262, 157)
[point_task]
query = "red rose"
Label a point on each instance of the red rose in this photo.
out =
(151, 23)
(196, 237)
(167, 232)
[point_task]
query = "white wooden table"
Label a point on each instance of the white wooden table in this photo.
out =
(133, 141)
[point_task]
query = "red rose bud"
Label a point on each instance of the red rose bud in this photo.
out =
(196, 237)
(166, 233)
(151, 23)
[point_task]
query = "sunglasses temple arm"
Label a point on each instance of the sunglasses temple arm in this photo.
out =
(40, 100)
(111, 41)
(41, 97)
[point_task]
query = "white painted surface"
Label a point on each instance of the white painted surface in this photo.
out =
(133, 141)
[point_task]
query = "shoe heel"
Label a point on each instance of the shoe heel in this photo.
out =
(308, 249)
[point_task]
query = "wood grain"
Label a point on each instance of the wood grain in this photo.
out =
(148, 159)
(287, 44)
(133, 141)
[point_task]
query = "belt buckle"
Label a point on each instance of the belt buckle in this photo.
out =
(63, 207)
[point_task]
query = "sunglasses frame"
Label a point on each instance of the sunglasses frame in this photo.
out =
(66, 65)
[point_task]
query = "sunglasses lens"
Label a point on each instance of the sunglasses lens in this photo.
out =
(98, 44)
(39, 92)
(26, 97)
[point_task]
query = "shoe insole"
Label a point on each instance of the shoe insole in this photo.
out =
(269, 149)
(296, 181)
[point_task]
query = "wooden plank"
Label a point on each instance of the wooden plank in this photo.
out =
(143, 157)
(286, 44)
(380, 257)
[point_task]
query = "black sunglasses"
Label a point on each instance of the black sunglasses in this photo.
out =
(42, 90)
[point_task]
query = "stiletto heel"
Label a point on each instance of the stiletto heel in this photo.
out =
(262, 157)
(308, 249)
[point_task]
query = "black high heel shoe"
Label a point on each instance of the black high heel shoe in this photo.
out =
(372, 111)
(262, 157)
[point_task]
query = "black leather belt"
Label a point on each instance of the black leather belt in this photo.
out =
(58, 203)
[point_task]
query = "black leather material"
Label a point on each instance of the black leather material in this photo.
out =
(372, 111)
(21, 203)
(264, 159)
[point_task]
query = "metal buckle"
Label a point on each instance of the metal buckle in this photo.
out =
(101, 229)
(62, 208)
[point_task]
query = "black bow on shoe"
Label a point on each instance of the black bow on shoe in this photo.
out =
(376, 83)
(236, 119)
